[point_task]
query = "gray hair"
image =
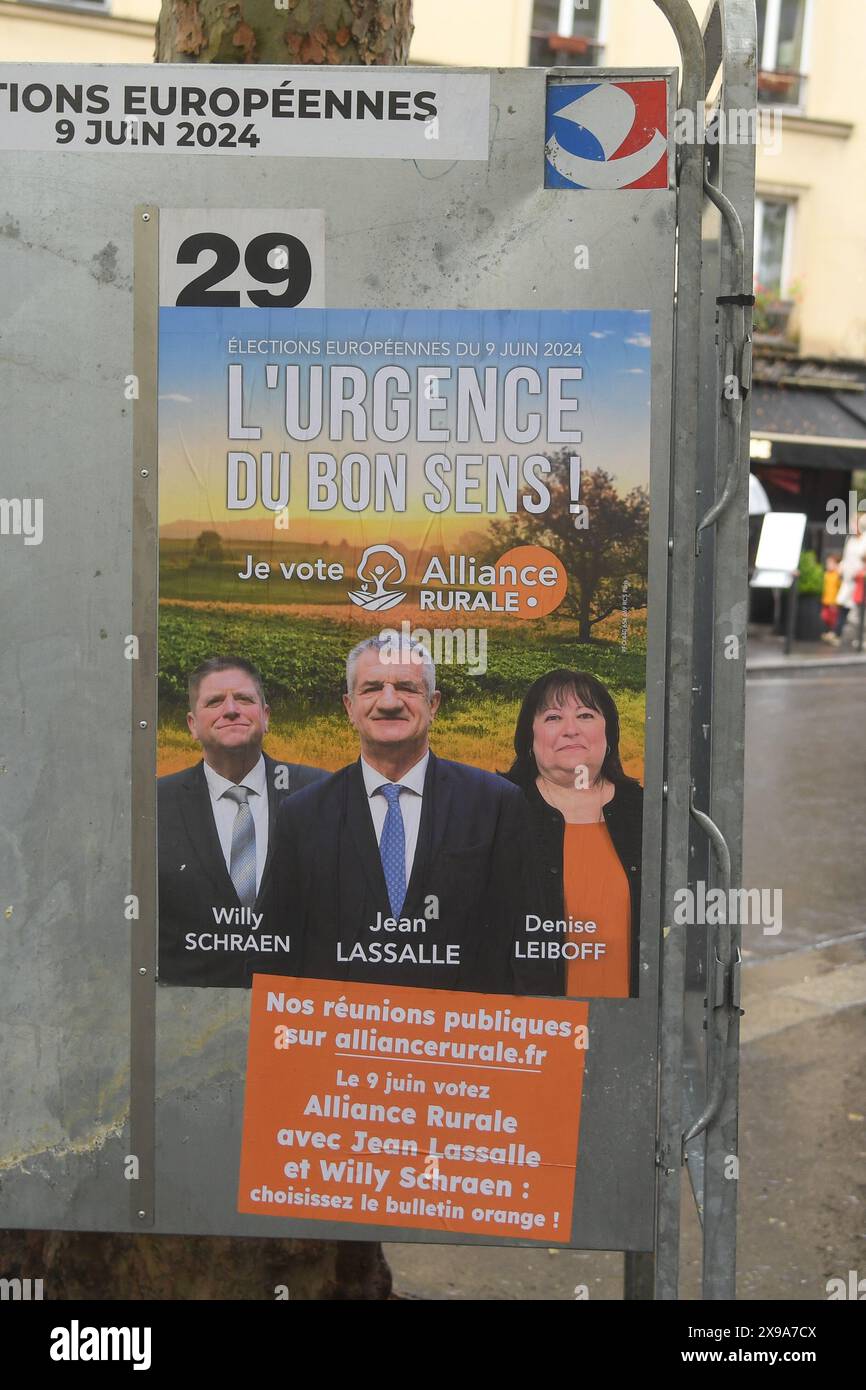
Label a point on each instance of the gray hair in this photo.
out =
(397, 648)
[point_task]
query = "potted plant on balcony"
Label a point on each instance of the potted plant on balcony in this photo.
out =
(810, 584)
(773, 311)
(574, 45)
(777, 85)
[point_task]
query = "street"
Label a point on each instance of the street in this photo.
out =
(805, 771)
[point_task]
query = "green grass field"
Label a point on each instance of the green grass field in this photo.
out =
(301, 653)
(216, 581)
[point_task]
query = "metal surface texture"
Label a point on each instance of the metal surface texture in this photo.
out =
(75, 1003)
(712, 1016)
(679, 669)
(709, 1041)
(724, 801)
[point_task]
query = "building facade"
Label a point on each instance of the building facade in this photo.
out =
(810, 251)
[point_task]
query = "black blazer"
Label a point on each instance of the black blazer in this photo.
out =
(194, 886)
(469, 866)
(623, 816)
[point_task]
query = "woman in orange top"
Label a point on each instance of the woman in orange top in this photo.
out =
(587, 825)
(829, 595)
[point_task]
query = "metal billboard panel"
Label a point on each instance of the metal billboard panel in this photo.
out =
(400, 233)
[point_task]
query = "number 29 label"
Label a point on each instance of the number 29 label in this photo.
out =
(240, 259)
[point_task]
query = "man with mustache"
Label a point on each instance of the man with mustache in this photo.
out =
(403, 868)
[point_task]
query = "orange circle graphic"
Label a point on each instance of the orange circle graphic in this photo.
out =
(537, 577)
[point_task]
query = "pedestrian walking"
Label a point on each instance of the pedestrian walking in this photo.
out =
(830, 595)
(852, 567)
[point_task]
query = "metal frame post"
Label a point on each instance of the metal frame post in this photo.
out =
(681, 593)
(730, 31)
(697, 664)
(142, 990)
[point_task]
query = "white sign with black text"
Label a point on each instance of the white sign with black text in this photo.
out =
(208, 109)
(240, 258)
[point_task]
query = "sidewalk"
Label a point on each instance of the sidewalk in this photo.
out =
(765, 657)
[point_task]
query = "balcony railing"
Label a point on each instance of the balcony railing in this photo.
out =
(781, 88)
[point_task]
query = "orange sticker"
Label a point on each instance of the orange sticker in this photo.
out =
(415, 1108)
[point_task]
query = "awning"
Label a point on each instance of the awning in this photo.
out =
(813, 426)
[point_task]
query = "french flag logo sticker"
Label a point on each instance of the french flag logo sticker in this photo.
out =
(606, 135)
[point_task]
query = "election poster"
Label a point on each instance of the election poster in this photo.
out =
(402, 645)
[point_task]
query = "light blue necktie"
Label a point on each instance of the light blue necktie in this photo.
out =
(392, 847)
(242, 865)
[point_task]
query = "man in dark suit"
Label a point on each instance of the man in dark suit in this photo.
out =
(402, 868)
(216, 826)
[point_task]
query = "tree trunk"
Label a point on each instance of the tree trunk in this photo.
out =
(284, 31)
(115, 1265)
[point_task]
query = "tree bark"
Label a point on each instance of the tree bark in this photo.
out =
(116, 1265)
(284, 31)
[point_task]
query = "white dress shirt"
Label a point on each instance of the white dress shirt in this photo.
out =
(225, 810)
(411, 797)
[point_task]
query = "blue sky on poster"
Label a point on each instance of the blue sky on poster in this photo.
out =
(614, 394)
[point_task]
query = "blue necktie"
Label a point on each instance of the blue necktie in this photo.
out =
(392, 847)
(242, 864)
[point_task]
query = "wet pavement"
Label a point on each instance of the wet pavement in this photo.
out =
(804, 827)
(766, 655)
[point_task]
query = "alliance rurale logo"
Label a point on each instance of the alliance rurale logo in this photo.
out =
(377, 568)
(527, 581)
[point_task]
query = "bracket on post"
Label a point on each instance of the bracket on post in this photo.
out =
(726, 980)
(738, 360)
